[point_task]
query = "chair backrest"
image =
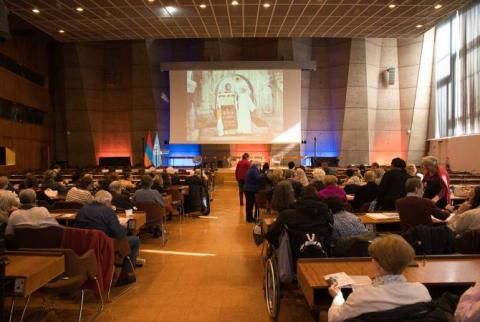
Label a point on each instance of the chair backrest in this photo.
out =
(67, 205)
(261, 200)
(155, 212)
(468, 242)
(311, 244)
(32, 237)
(176, 194)
(430, 240)
(418, 312)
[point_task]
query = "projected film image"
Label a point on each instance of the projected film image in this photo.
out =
(228, 105)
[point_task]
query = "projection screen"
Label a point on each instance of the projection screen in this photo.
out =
(235, 106)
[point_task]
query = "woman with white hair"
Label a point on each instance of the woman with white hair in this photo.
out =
(251, 187)
(301, 177)
(8, 203)
(436, 182)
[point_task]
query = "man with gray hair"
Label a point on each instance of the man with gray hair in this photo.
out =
(414, 209)
(100, 215)
(119, 200)
(29, 214)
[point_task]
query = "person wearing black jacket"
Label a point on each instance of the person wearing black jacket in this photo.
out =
(392, 186)
(120, 200)
(366, 193)
(309, 215)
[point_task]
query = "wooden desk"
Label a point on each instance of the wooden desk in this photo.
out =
(139, 218)
(437, 271)
(31, 271)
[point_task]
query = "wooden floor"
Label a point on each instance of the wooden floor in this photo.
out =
(210, 270)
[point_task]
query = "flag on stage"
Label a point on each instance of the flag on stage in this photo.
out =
(157, 153)
(148, 157)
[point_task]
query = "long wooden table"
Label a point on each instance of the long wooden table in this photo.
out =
(30, 271)
(432, 271)
(135, 222)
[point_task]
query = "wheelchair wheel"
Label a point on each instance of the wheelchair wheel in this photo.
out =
(271, 287)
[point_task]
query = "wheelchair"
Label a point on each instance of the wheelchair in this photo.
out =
(302, 245)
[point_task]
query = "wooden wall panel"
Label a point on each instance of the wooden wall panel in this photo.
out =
(33, 144)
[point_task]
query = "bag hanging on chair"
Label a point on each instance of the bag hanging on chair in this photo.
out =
(285, 265)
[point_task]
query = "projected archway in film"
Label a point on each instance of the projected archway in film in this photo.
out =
(235, 106)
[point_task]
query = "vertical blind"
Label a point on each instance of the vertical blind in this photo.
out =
(457, 73)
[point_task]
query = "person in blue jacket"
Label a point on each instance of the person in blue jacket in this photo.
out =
(251, 187)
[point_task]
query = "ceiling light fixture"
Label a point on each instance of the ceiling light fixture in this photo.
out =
(391, 6)
(61, 31)
(35, 11)
(266, 5)
(151, 1)
(234, 3)
(203, 6)
(170, 10)
(438, 6)
(419, 26)
(79, 9)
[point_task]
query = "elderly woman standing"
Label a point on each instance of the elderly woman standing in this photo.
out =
(436, 182)
(251, 187)
(389, 289)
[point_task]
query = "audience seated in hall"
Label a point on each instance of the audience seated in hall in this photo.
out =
(468, 308)
(332, 189)
(414, 209)
(8, 203)
(81, 193)
(436, 182)
(318, 175)
(308, 214)
(345, 224)
(50, 182)
(283, 196)
(389, 289)
(106, 180)
(119, 199)
(29, 214)
(301, 177)
(366, 193)
(392, 186)
(100, 215)
(146, 194)
(467, 216)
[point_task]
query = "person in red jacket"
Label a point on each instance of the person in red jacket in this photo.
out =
(240, 172)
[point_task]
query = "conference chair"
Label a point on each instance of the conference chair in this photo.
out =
(261, 203)
(78, 271)
(468, 242)
(66, 205)
(156, 219)
(33, 237)
(177, 201)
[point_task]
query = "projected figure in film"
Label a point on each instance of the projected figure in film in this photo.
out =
(235, 105)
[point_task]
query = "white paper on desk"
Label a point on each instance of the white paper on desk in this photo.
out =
(349, 281)
(380, 215)
(123, 221)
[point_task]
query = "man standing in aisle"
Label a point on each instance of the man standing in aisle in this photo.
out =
(240, 172)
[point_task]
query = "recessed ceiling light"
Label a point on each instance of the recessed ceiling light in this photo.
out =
(419, 26)
(203, 6)
(36, 11)
(391, 6)
(234, 3)
(79, 9)
(170, 9)
(266, 5)
(151, 0)
(61, 31)
(438, 6)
